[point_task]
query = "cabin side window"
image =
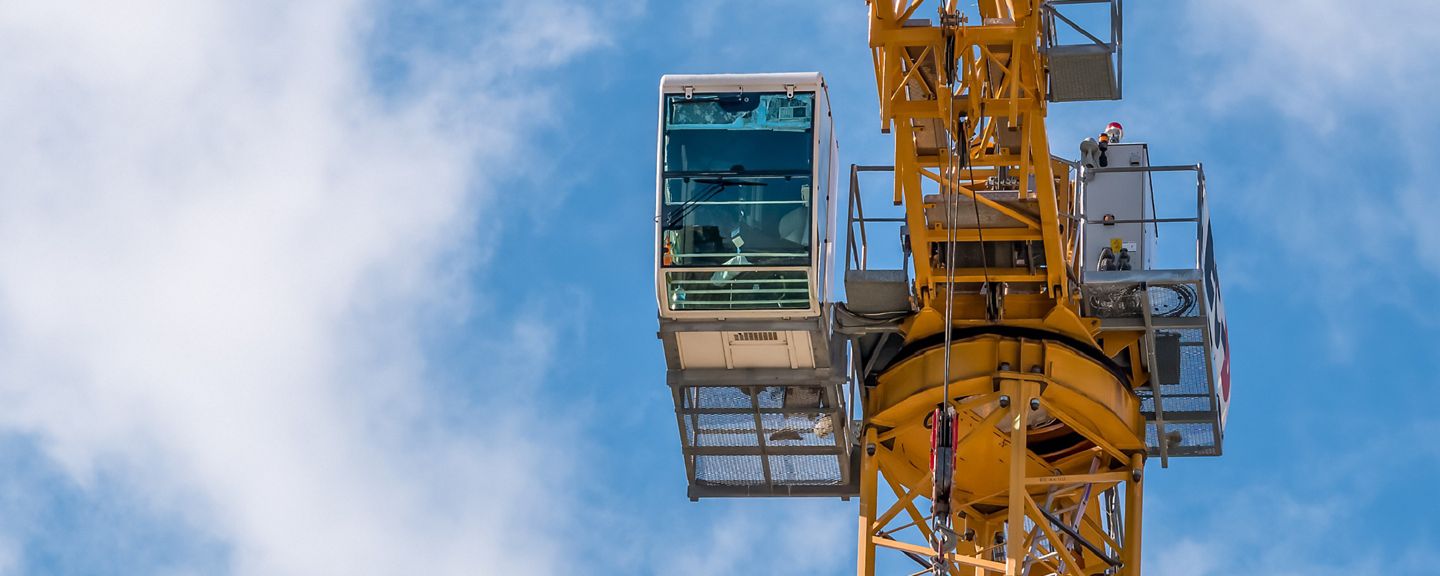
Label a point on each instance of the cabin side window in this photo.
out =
(737, 201)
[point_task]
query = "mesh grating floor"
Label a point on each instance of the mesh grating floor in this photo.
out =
(773, 437)
(1176, 404)
(805, 469)
(729, 470)
(1191, 417)
(721, 430)
(1186, 439)
(1079, 73)
(717, 397)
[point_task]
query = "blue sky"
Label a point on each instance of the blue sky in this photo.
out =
(365, 288)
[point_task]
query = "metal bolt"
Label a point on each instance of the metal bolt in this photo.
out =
(1004, 366)
(869, 449)
(1034, 403)
(969, 534)
(1037, 369)
(1004, 401)
(1135, 474)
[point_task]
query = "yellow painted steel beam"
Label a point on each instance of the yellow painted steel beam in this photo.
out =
(986, 131)
(1101, 478)
(991, 234)
(1133, 494)
(904, 498)
(1015, 514)
(869, 470)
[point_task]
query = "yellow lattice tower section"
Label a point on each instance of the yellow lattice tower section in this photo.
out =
(1049, 446)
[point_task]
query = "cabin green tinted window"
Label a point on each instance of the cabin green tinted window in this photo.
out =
(739, 134)
(736, 193)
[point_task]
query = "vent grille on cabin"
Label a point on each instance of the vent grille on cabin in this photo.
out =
(757, 336)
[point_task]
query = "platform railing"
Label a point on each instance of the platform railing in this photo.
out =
(857, 239)
(1054, 20)
(858, 227)
(1125, 300)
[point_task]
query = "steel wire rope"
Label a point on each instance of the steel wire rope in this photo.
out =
(957, 159)
(938, 523)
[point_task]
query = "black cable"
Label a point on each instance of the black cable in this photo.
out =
(688, 207)
(716, 186)
(979, 227)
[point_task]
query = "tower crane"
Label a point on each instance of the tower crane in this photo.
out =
(994, 401)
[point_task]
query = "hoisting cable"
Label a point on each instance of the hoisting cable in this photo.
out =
(943, 433)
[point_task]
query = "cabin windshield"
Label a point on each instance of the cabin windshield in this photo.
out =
(737, 193)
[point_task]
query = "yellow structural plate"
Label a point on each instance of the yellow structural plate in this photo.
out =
(1084, 396)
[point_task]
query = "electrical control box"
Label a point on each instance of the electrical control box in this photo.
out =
(1116, 202)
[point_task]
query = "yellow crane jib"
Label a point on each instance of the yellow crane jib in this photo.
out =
(1034, 343)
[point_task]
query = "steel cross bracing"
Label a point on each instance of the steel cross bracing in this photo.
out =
(1049, 448)
(1014, 502)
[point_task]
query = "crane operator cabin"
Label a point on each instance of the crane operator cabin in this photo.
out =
(745, 228)
(746, 169)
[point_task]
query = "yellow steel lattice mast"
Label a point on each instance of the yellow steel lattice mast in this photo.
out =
(1049, 441)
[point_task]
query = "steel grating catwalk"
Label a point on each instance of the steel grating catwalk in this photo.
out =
(805, 469)
(729, 470)
(1188, 439)
(1082, 72)
(1188, 406)
(765, 440)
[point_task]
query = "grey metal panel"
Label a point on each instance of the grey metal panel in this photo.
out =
(1167, 357)
(874, 291)
(1124, 197)
(866, 330)
(1082, 72)
(818, 327)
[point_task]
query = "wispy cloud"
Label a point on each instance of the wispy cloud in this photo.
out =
(220, 253)
(1306, 57)
(1327, 99)
(1264, 527)
(803, 538)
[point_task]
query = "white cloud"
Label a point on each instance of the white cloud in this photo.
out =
(1283, 531)
(802, 538)
(1307, 57)
(220, 251)
(1330, 101)
(1284, 519)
